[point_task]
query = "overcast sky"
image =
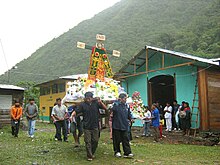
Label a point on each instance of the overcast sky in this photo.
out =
(26, 25)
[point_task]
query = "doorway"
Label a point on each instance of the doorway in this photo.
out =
(162, 88)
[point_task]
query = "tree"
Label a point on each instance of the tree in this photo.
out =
(31, 91)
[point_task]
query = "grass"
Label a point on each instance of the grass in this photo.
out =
(44, 150)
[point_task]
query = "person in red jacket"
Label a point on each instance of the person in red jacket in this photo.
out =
(16, 113)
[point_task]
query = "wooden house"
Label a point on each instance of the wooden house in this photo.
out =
(8, 94)
(163, 75)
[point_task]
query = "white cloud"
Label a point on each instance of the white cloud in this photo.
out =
(26, 25)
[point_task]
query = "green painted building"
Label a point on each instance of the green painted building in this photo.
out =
(163, 75)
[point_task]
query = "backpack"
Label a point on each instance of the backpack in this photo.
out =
(182, 114)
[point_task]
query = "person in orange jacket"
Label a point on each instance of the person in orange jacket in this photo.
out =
(16, 113)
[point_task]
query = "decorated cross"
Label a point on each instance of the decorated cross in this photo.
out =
(99, 62)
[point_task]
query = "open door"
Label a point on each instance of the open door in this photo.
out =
(162, 89)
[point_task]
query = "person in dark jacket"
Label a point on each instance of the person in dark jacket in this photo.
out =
(186, 121)
(90, 112)
(121, 115)
(181, 108)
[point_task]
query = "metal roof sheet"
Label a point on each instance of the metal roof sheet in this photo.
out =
(6, 86)
(215, 59)
(209, 61)
(74, 77)
(139, 59)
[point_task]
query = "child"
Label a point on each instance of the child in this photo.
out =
(161, 129)
(147, 121)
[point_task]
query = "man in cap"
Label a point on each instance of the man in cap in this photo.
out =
(90, 112)
(121, 115)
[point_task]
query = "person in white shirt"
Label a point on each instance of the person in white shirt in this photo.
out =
(147, 121)
(59, 113)
(168, 117)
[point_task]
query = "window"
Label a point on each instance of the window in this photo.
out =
(44, 91)
(55, 88)
(43, 110)
(61, 87)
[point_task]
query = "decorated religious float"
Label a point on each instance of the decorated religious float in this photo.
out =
(137, 106)
(108, 90)
(99, 79)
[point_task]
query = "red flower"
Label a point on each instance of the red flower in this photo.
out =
(104, 56)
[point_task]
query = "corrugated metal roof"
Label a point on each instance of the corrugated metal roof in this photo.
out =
(215, 59)
(140, 59)
(74, 77)
(69, 77)
(6, 86)
(209, 61)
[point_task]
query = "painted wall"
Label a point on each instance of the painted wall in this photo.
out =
(137, 83)
(185, 78)
(46, 102)
(185, 81)
(185, 86)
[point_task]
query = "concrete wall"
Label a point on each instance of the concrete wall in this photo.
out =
(47, 101)
(137, 83)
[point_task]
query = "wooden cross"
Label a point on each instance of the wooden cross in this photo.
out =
(99, 63)
(100, 38)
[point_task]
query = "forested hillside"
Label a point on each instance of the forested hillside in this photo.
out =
(189, 26)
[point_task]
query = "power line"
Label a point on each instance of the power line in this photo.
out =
(38, 74)
(4, 55)
(26, 73)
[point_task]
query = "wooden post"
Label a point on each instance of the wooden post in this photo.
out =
(134, 66)
(163, 60)
(147, 84)
(174, 84)
(203, 99)
(147, 61)
(150, 98)
(127, 87)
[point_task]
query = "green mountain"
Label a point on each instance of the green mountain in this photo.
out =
(189, 26)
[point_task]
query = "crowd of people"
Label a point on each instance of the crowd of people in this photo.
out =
(176, 118)
(84, 118)
(31, 113)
